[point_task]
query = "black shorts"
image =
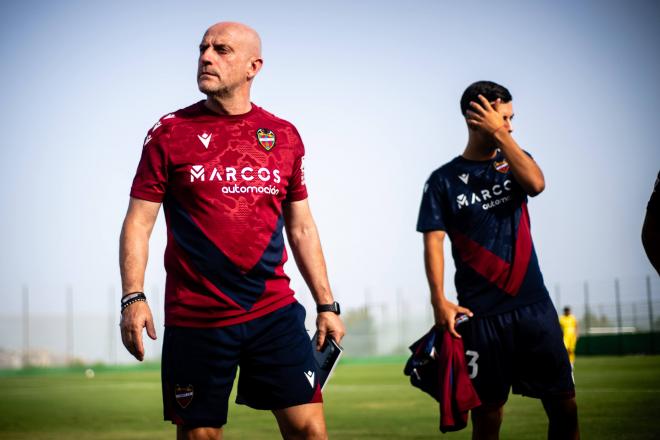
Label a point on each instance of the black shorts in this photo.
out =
(522, 349)
(277, 368)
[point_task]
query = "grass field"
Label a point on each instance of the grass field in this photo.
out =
(618, 398)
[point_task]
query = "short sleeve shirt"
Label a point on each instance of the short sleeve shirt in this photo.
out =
(484, 212)
(223, 181)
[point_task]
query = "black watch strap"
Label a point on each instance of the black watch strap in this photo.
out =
(334, 308)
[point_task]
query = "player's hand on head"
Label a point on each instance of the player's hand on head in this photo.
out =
(329, 324)
(445, 314)
(134, 318)
(483, 116)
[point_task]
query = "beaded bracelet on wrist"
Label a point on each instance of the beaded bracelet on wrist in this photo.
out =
(132, 298)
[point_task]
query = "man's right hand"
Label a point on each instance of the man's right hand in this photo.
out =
(134, 318)
(445, 313)
(329, 325)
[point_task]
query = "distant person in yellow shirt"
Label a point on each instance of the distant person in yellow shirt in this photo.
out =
(569, 326)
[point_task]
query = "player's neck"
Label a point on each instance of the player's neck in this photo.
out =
(237, 104)
(479, 148)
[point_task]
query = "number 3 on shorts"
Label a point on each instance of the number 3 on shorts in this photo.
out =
(474, 368)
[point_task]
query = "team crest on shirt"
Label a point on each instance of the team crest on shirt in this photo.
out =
(266, 138)
(183, 395)
(502, 167)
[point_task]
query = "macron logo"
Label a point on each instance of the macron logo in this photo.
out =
(205, 139)
(309, 375)
(464, 178)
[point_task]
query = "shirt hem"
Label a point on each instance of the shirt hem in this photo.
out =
(197, 322)
(506, 309)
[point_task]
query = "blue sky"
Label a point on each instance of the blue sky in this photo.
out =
(373, 88)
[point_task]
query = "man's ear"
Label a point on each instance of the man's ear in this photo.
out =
(254, 67)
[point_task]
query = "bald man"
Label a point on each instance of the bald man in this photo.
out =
(230, 177)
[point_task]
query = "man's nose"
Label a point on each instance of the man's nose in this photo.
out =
(204, 57)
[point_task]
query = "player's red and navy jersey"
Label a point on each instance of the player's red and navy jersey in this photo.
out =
(483, 210)
(222, 180)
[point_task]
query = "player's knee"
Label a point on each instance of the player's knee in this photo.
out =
(569, 409)
(563, 410)
(562, 418)
(490, 412)
(486, 420)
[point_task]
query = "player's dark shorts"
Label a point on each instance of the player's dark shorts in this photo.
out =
(522, 349)
(277, 368)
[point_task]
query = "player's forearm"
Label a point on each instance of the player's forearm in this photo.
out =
(133, 256)
(525, 170)
(308, 254)
(434, 264)
(435, 279)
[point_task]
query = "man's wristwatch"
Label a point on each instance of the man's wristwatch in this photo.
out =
(334, 308)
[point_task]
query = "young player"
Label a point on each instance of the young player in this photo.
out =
(479, 199)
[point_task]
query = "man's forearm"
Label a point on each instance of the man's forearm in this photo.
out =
(306, 247)
(526, 171)
(133, 255)
(134, 243)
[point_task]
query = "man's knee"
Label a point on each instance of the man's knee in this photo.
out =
(310, 430)
(305, 422)
(184, 433)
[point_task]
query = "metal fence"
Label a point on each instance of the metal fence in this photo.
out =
(83, 330)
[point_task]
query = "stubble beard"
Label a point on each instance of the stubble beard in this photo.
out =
(217, 91)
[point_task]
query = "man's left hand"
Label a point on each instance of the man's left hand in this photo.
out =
(329, 325)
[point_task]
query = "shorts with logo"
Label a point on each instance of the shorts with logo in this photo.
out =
(277, 367)
(522, 349)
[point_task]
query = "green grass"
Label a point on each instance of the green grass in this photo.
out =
(618, 398)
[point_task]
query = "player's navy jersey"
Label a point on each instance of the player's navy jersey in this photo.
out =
(483, 210)
(222, 180)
